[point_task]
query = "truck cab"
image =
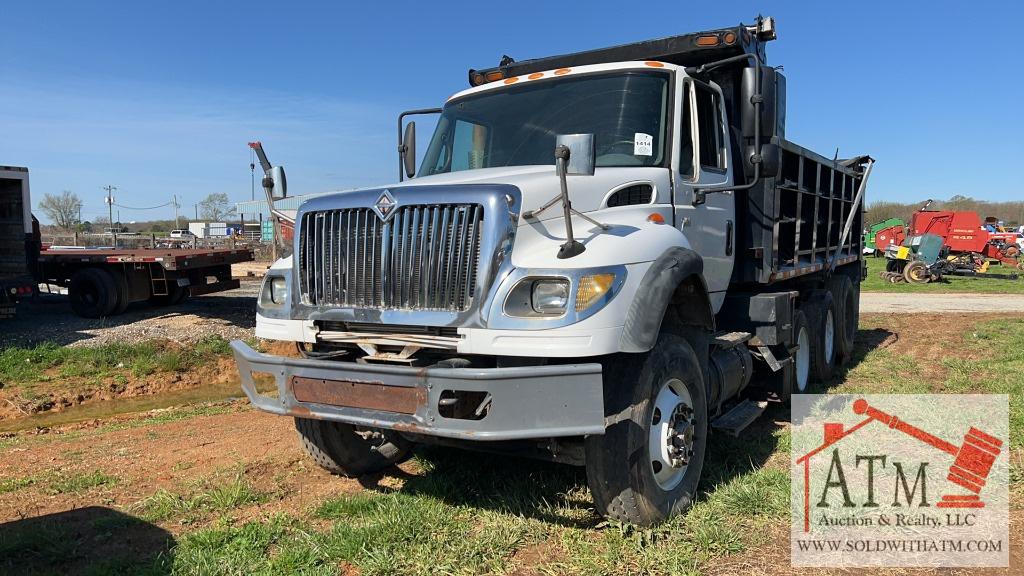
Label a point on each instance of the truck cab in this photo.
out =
(585, 266)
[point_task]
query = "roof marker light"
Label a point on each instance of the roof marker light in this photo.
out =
(562, 71)
(654, 64)
(535, 75)
(494, 75)
(708, 40)
(729, 37)
(512, 80)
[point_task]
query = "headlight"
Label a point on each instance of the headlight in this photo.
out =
(274, 293)
(278, 290)
(542, 297)
(550, 296)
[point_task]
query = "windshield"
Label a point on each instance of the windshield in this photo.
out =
(626, 112)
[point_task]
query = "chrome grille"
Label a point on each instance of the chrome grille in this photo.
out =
(424, 258)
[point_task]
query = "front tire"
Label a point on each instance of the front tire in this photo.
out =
(646, 466)
(346, 450)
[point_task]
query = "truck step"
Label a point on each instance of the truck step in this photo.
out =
(726, 340)
(742, 415)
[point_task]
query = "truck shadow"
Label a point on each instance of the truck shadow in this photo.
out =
(867, 341)
(91, 540)
(48, 317)
(558, 494)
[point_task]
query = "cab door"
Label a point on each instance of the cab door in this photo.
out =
(704, 159)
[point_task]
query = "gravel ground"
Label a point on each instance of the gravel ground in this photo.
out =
(49, 318)
(925, 303)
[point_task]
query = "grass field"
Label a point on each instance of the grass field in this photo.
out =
(874, 283)
(452, 512)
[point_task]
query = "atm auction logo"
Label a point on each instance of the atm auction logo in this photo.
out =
(900, 480)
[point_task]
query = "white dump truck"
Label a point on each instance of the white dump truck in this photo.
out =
(597, 255)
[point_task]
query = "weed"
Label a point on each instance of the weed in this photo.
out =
(78, 482)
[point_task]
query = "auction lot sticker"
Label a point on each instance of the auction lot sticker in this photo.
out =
(900, 480)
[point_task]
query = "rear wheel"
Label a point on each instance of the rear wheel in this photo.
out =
(93, 293)
(821, 319)
(847, 309)
(646, 466)
(349, 451)
(796, 374)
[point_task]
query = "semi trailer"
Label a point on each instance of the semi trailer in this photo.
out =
(598, 255)
(18, 242)
(101, 281)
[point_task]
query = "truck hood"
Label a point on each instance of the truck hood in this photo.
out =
(539, 184)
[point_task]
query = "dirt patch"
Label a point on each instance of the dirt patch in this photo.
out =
(927, 338)
(177, 456)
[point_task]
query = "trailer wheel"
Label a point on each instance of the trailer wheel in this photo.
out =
(646, 466)
(122, 292)
(821, 318)
(93, 293)
(349, 451)
(916, 272)
(847, 308)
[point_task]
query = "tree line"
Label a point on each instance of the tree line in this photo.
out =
(1011, 213)
(65, 211)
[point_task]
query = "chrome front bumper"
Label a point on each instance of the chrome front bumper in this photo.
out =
(525, 402)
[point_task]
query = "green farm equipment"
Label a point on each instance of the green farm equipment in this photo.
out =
(879, 237)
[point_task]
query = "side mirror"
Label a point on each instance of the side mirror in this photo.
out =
(280, 189)
(409, 149)
(581, 152)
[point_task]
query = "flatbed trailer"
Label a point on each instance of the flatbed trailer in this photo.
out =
(102, 282)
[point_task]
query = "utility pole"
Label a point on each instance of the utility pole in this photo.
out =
(175, 200)
(110, 211)
(197, 212)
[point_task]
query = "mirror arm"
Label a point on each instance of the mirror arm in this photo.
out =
(700, 194)
(401, 145)
(571, 247)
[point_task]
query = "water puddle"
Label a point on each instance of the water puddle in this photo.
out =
(101, 409)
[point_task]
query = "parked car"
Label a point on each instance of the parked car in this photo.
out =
(182, 234)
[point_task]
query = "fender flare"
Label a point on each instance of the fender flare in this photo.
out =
(676, 276)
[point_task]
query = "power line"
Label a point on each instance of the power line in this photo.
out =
(171, 203)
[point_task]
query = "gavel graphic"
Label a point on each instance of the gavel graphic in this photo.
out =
(972, 460)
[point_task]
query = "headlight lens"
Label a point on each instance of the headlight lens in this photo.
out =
(550, 296)
(278, 290)
(591, 289)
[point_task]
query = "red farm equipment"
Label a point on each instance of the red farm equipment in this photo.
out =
(962, 233)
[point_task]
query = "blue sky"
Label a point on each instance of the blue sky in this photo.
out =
(160, 98)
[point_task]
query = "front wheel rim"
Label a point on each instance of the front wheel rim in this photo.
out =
(672, 434)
